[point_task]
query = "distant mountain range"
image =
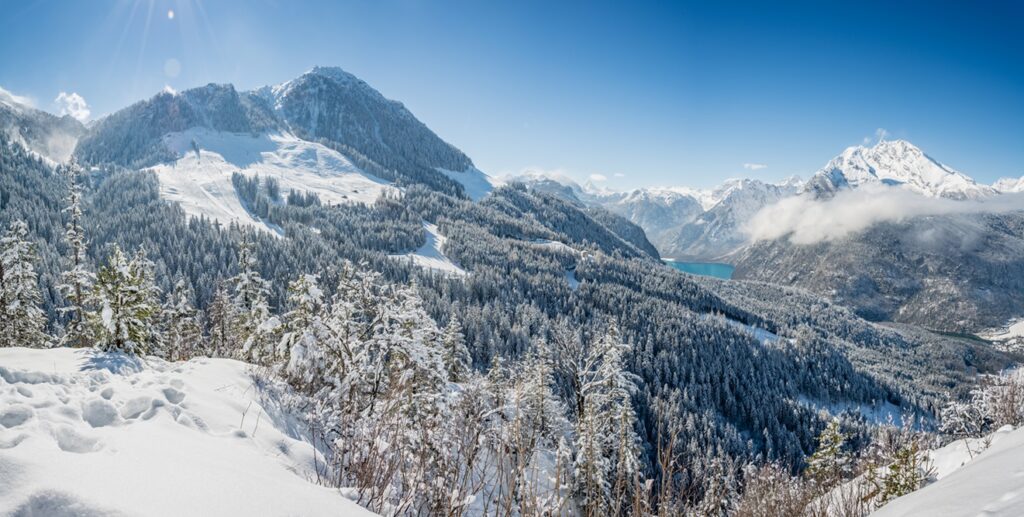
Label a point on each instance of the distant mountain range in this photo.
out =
(708, 225)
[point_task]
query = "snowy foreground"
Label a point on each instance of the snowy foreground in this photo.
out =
(990, 482)
(88, 433)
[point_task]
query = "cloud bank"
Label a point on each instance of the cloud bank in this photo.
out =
(754, 166)
(807, 221)
(73, 104)
(598, 177)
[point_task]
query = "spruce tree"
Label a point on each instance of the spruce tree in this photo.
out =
(181, 328)
(301, 346)
(249, 296)
(221, 324)
(456, 355)
(76, 279)
(128, 305)
(830, 462)
(21, 319)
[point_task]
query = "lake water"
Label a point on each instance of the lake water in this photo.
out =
(703, 268)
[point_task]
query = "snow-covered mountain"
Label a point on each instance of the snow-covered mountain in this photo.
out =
(1009, 185)
(693, 224)
(47, 135)
(681, 222)
(898, 163)
(719, 230)
(325, 133)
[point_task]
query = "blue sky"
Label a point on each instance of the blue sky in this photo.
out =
(664, 93)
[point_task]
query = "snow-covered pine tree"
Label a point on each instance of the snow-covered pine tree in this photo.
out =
(301, 347)
(221, 324)
(249, 295)
(143, 273)
(620, 417)
(21, 319)
(127, 303)
(181, 328)
(457, 360)
(591, 466)
(76, 279)
(830, 463)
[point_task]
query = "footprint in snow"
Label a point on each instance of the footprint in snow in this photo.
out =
(99, 413)
(13, 416)
(70, 440)
(174, 396)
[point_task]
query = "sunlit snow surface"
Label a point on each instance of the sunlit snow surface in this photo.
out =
(990, 482)
(473, 180)
(201, 182)
(431, 256)
(95, 434)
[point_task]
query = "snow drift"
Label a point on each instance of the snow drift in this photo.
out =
(986, 483)
(88, 433)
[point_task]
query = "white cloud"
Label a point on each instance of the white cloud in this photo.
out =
(806, 220)
(598, 177)
(168, 89)
(619, 175)
(73, 104)
(6, 96)
(754, 166)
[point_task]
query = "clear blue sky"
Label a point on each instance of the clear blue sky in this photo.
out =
(666, 93)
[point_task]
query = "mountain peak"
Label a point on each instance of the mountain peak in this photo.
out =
(896, 163)
(335, 73)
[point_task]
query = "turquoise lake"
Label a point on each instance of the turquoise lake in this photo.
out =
(716, 270)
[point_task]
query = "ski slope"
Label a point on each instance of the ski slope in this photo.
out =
(87, 433)
(431, 256)
(201, 180)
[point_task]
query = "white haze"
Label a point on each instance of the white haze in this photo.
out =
(807, 221)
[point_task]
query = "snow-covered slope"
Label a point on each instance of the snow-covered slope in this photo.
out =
(86, 433)
(1009, 185)
(201, 181)
(430, 255)
(898, 163)
(476, 183)
(987, 483)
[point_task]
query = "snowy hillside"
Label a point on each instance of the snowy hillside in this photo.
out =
(200, 179)
(430, 255)
(84, 432)
(475, 182)
(898, 163)
(970, 483)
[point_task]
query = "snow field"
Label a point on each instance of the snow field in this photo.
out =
(201, 181)
(88, 433)
(430, 255)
